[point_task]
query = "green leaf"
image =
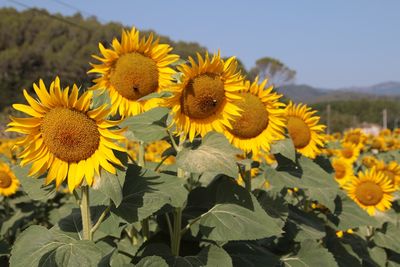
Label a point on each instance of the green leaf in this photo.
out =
(34, 187)
(275, 206)
(284, 147)
(16, 221)
(145, 192)
(148, 126)
(311, 254)
(306, 175)
(226, 222)
(348, 214)
(248, 254)
(388, 238)
(152, 261)
(111, 185)
(215, 154)
(303, 225)
(38, 246)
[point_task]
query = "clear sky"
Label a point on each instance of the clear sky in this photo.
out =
(330, 44)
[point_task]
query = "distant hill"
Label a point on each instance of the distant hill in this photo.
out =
(308, 94)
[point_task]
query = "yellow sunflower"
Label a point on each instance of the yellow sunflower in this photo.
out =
(133, 68)
(369, 161)
(303, 128)
(343, 171)
(391, 170)
(64, 136)
(378, 143)
(262, 119)
(371, 190)
(349, 152)
(355, 136)
(8, 182)
(204, 101)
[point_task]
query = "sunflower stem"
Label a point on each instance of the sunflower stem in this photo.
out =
(176, 238)
(247, 173)
(99, 221)
(174, 145)
(142, 163)
(85, 212)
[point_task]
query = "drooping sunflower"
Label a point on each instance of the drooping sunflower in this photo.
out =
(349, 152)
(262, 119)
(8, 181)
(64, 136)
(204, 101)
(303, 128)
(391, 170)
(343, 171)
(371, 190)
(133, 68)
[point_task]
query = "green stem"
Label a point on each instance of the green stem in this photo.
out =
(169, 227)
(145, 229)
(99, 221)
(176, 239)
(85, 212)
(174, 145)
(142, 163)
(141, 158)
(161, 162)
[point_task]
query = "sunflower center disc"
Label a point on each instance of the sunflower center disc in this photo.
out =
(203, 96)
(354, 138)
(369, 193)
(5, 180)
(134, 76)
(347, 153)
(253, 119)
(299, 132)
(70, 135)
(340, 171)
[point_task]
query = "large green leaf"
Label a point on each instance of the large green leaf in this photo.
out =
(215, 154)
(388, 238)
(146, 191)
(348, 214)
(225, 222)
(38, 246)
(311, 254)
(284, 147)
(302, 225)
(34, 187)
(306, 175)
(248, 254)
(111, 185)
(152, 261)
(148, 126)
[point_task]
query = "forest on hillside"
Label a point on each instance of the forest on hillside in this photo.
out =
(36, 44)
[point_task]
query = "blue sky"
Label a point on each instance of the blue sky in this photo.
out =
(331, 44)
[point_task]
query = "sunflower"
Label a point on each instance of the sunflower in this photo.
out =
(349, 152)
(391, 170)
(303, 128)
(204, 101)
(355, 136)
(343, 171)
(64, 136)
(369, 161)
(378, 143)
(262, 120)
(371, 190)
(8, 182)
(133, 68)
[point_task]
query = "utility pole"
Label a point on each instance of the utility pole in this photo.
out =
(328, 119)
(384, 119)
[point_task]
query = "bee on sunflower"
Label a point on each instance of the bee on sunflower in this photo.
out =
(133, 68)
(64, 136)
(305, 130)
(9, 183)
(262, 119)
(205, 99)
(371, 190)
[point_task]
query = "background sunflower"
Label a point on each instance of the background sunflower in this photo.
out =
(303, 128)
(9, 183)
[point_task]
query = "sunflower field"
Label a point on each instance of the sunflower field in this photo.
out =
(185, 162)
